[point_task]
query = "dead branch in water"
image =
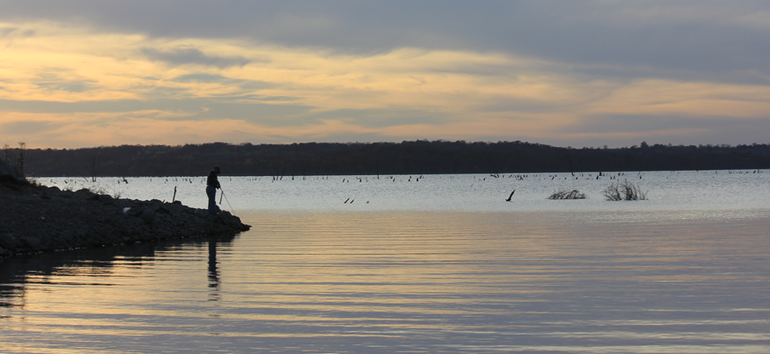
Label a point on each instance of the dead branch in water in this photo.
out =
(564, 195)
(624, 191)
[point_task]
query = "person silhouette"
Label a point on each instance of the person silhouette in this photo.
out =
(212, 184)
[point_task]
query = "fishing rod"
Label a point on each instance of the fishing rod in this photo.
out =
(228, 200)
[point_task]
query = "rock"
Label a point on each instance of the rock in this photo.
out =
(82, 232)
(31, 242)
(67, 236)
(148, 216)
(42, 219)
(85, 193)
(9, 241)
(232, 221)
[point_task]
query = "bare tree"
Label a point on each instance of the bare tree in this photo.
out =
(20, 157)
(8, 153)
(93, 162)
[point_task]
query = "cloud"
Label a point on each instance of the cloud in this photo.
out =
(190, 55)
(202, 77)
(5, 31)
(62, 79)
(568, 73)
(619, 130)
(15, 32)
(647, 39)
(28, 127)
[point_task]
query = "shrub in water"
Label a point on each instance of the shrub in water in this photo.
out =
(574, 194)
(624, 191)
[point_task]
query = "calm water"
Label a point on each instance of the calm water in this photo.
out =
(417, 264)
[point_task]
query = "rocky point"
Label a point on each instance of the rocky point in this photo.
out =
(36, 218)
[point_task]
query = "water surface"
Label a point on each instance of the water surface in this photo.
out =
(454, 268)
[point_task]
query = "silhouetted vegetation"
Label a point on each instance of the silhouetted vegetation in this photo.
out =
(566, 195)
(14, 158)
(623, 191)
(408, 157)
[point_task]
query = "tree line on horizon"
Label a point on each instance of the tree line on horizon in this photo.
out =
(407, 157)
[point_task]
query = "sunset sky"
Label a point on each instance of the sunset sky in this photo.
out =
(565, 73)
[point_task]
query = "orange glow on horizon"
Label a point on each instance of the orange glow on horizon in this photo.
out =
(449, 94)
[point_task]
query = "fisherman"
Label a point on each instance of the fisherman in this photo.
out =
(212, 184)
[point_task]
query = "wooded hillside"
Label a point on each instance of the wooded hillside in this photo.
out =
(408, 157)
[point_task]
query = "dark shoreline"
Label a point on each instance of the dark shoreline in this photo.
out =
(37, 219)
(415, 157)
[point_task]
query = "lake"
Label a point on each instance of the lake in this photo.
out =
(416, 264)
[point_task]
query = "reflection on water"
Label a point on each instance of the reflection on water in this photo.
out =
(95, 266)
(213, 271)
(407, 282)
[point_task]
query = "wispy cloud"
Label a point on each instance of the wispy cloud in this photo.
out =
(191, 55)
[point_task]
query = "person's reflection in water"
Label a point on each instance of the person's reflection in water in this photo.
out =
(213, 272)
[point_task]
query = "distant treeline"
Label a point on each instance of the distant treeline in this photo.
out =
(408, 157)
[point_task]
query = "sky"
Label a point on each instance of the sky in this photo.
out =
(564, 73)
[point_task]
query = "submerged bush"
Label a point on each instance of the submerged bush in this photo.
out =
(574, 194)
(624, 191)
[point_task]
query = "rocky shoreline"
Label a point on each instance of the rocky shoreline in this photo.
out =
(36, 219)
